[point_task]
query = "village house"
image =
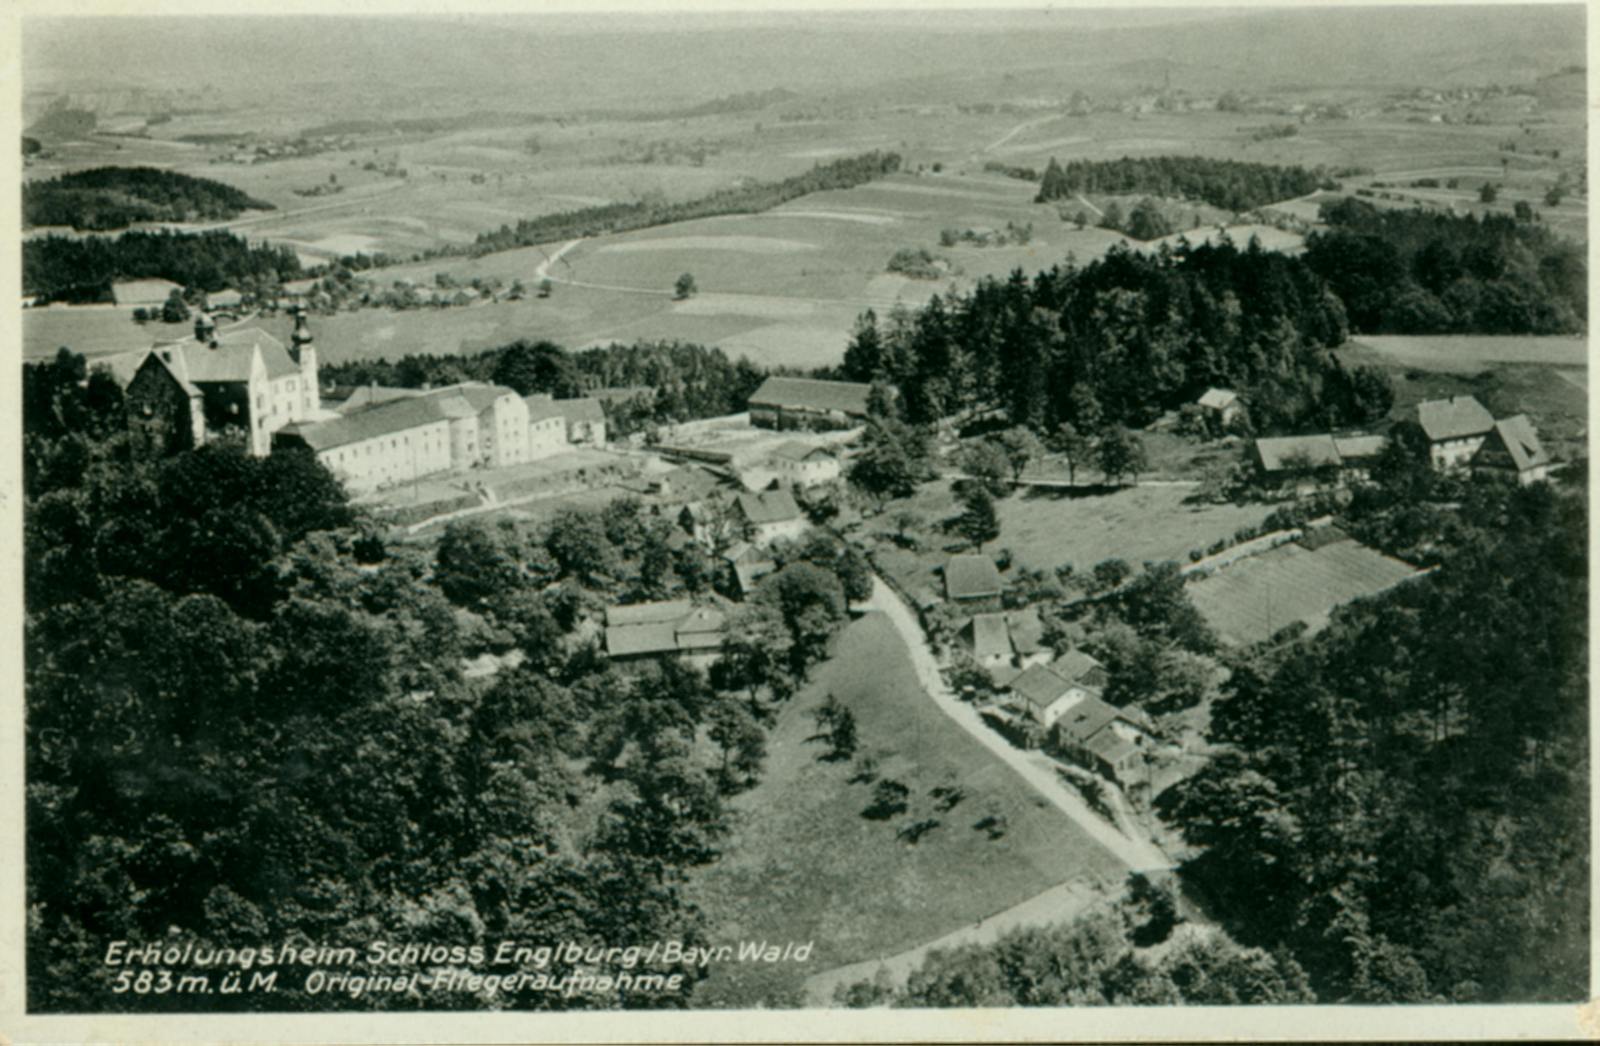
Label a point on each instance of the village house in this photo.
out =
(1455, 428)
(805, 403)
(1104, 738)
(1222, 406)
(669, 628)
(1304, 464)
(972, 579)
(769, 515)
(1005, 644)
(803, 465)
(1461, 433)
(243, 380)
(1513, 449)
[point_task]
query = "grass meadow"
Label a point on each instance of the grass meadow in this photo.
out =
(805, 864)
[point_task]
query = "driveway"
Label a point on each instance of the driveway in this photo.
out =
(1038, 770)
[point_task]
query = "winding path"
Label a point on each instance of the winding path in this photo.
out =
(1037, 769)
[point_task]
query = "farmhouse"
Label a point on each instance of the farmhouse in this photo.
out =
(769, 515)
(804, 465)
(971, 578)
(1455, 427)
(243, 380)
(1005, 643)
(1305, 463)
(1222, 406)
(804, 403)
(1102, 737)
(1512, 448)
(670, 628)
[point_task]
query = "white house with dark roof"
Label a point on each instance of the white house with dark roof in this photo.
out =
(243, 379)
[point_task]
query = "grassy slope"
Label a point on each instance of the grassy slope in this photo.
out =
(804, 864)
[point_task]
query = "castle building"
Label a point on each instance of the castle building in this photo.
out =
(379, 442)
(240, 380)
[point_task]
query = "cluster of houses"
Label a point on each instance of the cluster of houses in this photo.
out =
(246, 380)
(1461, 435)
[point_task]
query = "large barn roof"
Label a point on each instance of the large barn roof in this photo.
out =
(847, 397)
(971, 577)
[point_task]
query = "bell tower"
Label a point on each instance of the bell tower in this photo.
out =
(304, 353)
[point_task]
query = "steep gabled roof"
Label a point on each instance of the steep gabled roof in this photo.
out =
(847, 397)
(1027, 631)
(768, 506)
(1455, 418)
(655, 638)
(1087, 718)
(991, 637)
(1355, 448)
(971, 577)
(1039, 686)
(1517, 437)
(1217, 399)
(1076, 666)
(231, 360)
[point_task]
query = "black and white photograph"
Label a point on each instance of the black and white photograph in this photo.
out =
(765, 522)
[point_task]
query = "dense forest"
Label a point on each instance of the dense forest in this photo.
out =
(621, 217)
(684, 381)
(1233, 185)
(79, 270)
(1402, 804)
(1425, 272)
(247, 720)
(1125, 338)
(116, 197)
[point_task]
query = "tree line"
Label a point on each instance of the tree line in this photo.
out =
(622, 217)
(1123, 339)
(248, 720)
(114, 197)
(683, 381)
(1233, 185)
(79, 270)
(1426, 272)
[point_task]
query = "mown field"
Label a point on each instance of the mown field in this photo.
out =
(804, 864)
(1046, 528)
(1253, 598)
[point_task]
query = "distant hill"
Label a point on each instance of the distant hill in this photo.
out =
(115, 197)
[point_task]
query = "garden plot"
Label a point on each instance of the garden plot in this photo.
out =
(1253, 598)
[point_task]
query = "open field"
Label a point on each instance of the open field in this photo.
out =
(1045, 528)
(804, 864)
(1254, 597)
(1471, 353)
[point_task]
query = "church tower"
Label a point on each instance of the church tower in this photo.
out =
(305, 354)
